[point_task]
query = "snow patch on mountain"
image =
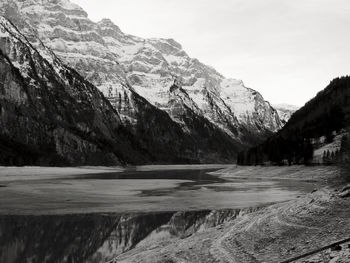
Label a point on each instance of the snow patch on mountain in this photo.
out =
(285, 111)
(118, 63)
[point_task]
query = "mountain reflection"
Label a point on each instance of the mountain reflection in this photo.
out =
(95, 237)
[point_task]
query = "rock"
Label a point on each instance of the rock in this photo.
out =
(347, 187)
(344, 194)
(50, 115)
(285, 111)
(336, 248)
(334, 260)
(208, 119)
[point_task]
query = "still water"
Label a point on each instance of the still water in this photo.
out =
(95, 217)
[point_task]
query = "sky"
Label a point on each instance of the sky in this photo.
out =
(288, 50)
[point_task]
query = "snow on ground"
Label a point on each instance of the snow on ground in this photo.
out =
(238, 97)
(172, 59)
(286, 106)
(285, 111)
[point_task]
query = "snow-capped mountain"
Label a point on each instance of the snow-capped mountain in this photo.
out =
(153, 65)
(285, 111)
(179, 109)
(50, 115)
(120, 64)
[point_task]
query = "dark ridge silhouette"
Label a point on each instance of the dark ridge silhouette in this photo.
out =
(326, 113)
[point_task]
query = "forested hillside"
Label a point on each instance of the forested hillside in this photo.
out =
(324, 115)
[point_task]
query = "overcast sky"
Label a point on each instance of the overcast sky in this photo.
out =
(287, 50)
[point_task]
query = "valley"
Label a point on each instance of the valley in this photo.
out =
(120, 148)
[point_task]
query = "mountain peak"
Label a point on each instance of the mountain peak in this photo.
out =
(166, 42)
(235, 82)
(108, 24)
(286, 106)
(109, 58)
(37, 6)
(106, 21)
(65, 4)
(174, 43)
(285, 111)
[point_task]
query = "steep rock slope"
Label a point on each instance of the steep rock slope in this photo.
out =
(94, 132)
(152, 65)
(76, 40)
(285, 111)
(50, 114)
(121, 65)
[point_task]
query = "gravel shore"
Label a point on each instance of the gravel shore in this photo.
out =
(266, 234)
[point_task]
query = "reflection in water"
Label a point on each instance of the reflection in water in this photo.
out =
(95, 237)
(98, 237)
(192, 177)
(196, 175)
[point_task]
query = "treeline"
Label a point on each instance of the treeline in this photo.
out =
(325, 114)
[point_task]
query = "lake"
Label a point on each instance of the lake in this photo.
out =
(95, 216)
(141, 190)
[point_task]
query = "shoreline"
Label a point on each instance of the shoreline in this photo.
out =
(59, 191)
(272, 232)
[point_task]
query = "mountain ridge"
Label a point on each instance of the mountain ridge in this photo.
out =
(36, 127)
(148, 65)
(175, 108)
(285, 111)
(145, 142)
(310, 128)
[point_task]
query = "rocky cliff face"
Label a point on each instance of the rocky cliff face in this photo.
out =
(122, 65)
(153, 65)
(285, 111)
(50, 114)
